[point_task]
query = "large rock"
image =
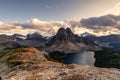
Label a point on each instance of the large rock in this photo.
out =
(18, 57)
(26, 55)
(36, 67)
(57, 71)
(66, 41)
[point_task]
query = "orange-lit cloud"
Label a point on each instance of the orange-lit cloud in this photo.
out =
(103, 25)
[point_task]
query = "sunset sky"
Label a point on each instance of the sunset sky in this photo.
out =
(27, 16)
(21, 10)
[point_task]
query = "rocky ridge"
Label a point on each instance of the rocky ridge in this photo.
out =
(35, 66)
(57, 71)
(66, 41)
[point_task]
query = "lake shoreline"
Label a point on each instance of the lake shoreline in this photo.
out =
(81, 58)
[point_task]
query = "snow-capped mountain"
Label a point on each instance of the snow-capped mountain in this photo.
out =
(49, 33)
(18, 37)
(85, 34)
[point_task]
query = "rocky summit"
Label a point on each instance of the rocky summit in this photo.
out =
(66, 41)
(64, 35)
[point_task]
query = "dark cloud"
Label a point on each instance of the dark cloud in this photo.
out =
(23, 25)
(98, 22)
(108, 24)
(113, 17)
(39, 24)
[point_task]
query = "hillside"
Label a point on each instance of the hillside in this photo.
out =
(66, 41)
(33, 65)
(108, 58)
(57, 71)
(19, 56)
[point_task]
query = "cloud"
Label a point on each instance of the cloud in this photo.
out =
(10, 29)
(30, 26)
(41, 25)
(95, 22)
(104, 25)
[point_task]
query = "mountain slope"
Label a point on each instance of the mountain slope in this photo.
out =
(33, 40)
(18, 57)
(8, 43)
(57, 71)
(105, 41)
(32, 65)
(65, 40)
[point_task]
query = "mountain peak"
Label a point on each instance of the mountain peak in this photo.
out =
(35, 35)
(85, 34)
(65, 40)
(61, 31)
(65, 35)
(68, 29)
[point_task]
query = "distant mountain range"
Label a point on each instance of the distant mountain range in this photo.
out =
(17, 40)
(105, 41)
(26, 62)
(63, 40)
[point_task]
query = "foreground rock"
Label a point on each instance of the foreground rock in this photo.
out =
(57, 71)
(18, 57)
(31, 64)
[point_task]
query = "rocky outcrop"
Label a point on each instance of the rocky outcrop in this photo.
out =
(26, 55)
(57, 71)
(66, 41)
(32, 65)
(20, 56)
(63, 36)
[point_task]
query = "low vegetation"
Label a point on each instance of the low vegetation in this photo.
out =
(2, 54)
(17, 62)
(55, 56)
(108, 58)
(49, 58)
(75, 77)
(21, 55)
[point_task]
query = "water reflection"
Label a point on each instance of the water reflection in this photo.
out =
(84, 58)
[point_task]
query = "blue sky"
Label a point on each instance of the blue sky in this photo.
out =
(22, 10)
(28, 16)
